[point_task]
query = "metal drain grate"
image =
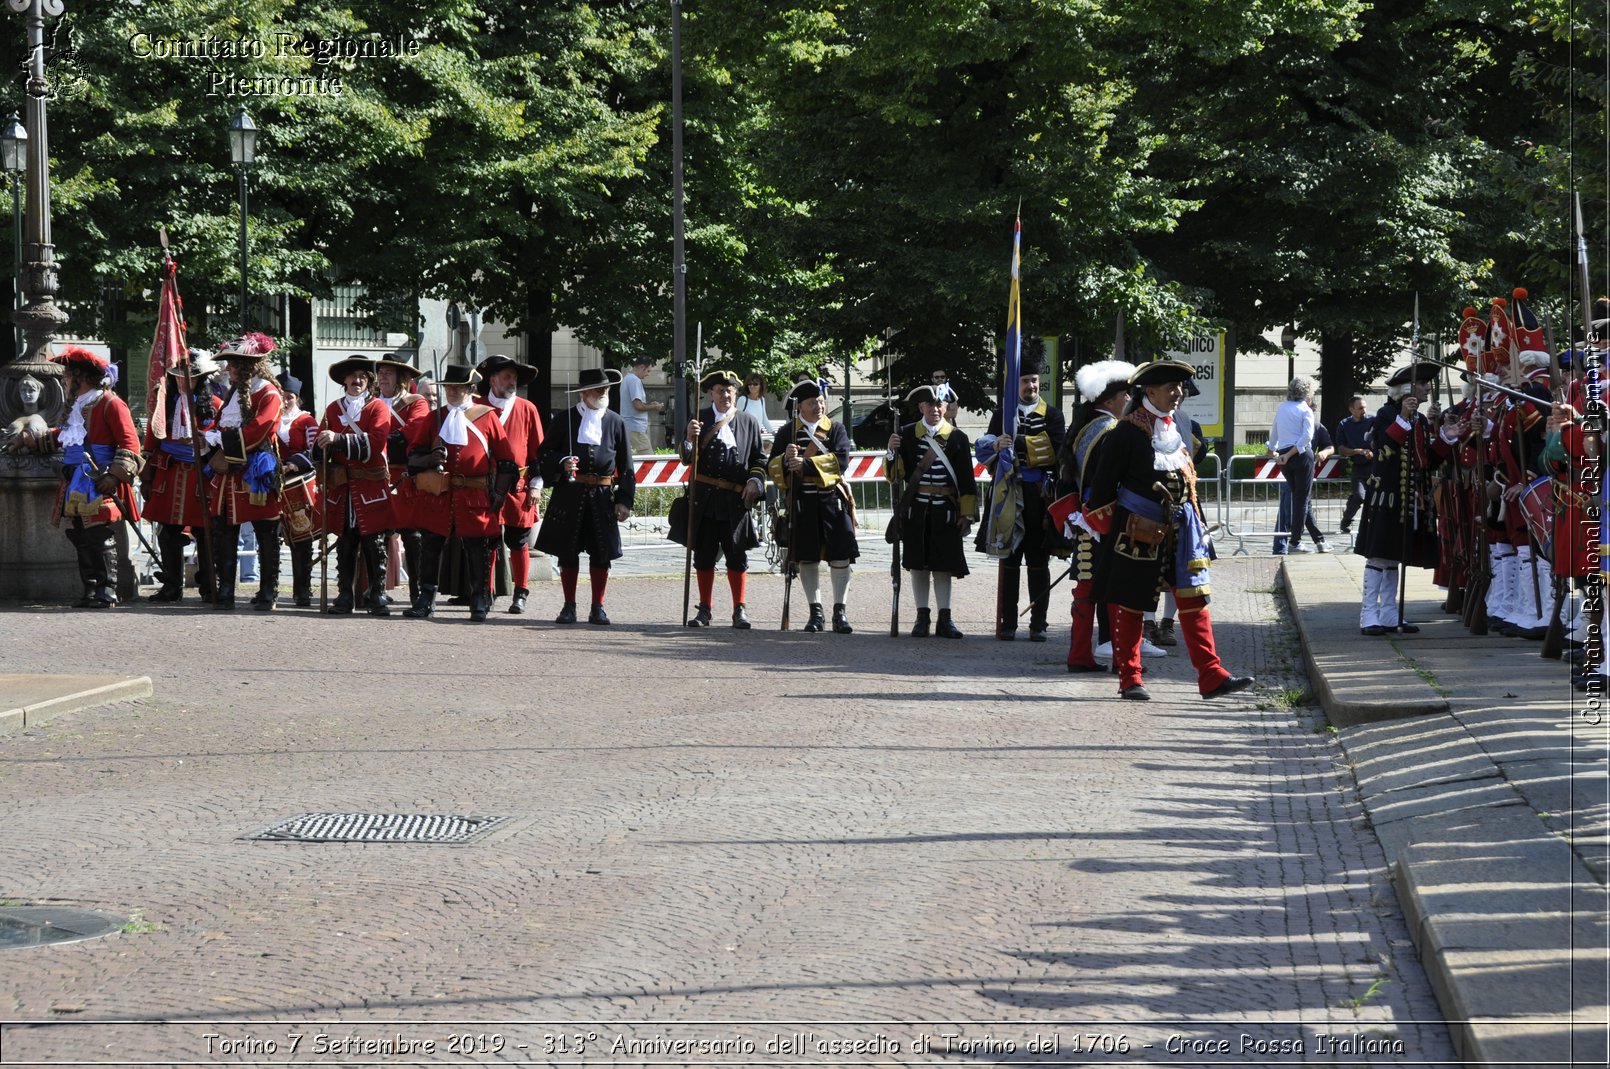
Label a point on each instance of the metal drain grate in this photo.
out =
(379, 828)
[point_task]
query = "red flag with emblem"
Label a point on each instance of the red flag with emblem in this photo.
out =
(167, 346)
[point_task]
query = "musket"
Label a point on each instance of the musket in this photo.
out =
(1520, 459)
(790, 565)
(324, 527)
(1498, 387)
(894, 483)
(1475, 615)
(1554, 637)
(1065, 573)
(1411, 493)
(693, 477)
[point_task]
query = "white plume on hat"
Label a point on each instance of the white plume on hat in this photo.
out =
(1093, 379)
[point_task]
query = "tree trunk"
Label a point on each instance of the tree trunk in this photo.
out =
(1338, 376)
(539, 328)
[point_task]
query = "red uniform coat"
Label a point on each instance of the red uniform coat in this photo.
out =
(170, 483)
(522, 423)
(229, 496)
(1576, 525)
(407, 409)
(356, 473)
(106, 422)
(463, 507)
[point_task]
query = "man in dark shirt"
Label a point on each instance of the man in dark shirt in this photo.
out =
(1352, 439)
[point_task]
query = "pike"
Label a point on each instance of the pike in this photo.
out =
(894, 496)
(693, 477)
(1410, 512)
(1554, 637)
(1520, 457)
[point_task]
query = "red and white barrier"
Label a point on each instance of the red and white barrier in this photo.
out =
(1267, 470)
(664, 470)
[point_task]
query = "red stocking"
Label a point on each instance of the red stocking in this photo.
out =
(707, 585)
(1197, 628)
(738, 583)
(520, 567)
(600, 581)
(1125, 625)
(567, 581)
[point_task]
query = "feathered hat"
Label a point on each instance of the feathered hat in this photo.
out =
(251, 346)
(1102, 379)
(72, 356)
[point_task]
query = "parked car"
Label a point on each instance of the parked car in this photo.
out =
(870, 422)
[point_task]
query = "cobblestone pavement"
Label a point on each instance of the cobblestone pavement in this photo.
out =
(708, 827)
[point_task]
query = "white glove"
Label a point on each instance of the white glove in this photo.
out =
(213, 438)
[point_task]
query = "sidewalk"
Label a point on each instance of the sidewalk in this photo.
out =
(1484, 776)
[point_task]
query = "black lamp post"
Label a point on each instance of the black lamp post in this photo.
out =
(243, 153)
(14, 158)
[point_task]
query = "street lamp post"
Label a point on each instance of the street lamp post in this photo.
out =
(1288, 342)
(39, 317)
(14, 157)
(243, 152)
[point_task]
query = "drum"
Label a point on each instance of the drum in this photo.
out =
(299, 506)
(1537, 506)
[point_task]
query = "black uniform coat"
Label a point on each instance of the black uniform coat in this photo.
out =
(715, 506)
(823, 520)
(1045, 425)
(929, 537)
(581, 518)
(1399, 487)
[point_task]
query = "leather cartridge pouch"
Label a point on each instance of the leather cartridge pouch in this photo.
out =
(1145, 532)
(432, 481)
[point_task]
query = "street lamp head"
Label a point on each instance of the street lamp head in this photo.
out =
(242, 139)
(14, 145)
(1288, 337)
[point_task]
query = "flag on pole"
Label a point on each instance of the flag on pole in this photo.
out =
(1005, 520)
(168, 346)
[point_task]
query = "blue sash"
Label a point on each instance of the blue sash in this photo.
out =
(262, 472)
(1192, 549)
(182, 451)
(81, 485)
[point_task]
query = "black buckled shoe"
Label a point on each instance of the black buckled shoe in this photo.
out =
(1037, 634)
(1137, 693)
(841, 621)
(1411, 629)
(480, 605)
(424, 604)
(944, 628)
(380, 605)
(341, 606)
(1373, 631)
(598, 616)
(740, 618)
(517, 604)
(1094, 666)
(920, 628)
(102, 597)
(167, 593)
(701, 616)
(567, 615)
(817, 622)
(1230, 685)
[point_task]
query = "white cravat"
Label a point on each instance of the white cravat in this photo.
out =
(724, 435)
(1168, 448)
(352, 408)
(591, 431)
(75, 430)
(287, 417)
(456, 427)
(504, 405)
(180, 431)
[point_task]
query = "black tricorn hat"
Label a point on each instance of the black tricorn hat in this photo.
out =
(1420, 371)
(458, 375)
(494, 364)
(1161, 372)
(395, 360)
(720, 378)
(922, 394)
(596, 378)
(805, 391)
(342, 368)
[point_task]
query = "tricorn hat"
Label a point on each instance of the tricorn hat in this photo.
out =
(596, 378)
(804, 392)
(493, 364)
(395, 360)
(1419, 371)
(250, 346)
(458, 375)
(720, 378)
(342, 368)
(924, 394)
(1161, 372)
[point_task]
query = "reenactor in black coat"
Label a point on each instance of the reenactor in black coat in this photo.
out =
(815, 451)
(731, 478)
(938, 508)
(1038, 440)
(587, 459)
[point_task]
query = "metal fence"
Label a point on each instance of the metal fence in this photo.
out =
(1249, 503)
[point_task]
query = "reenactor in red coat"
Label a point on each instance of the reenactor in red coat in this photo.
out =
(502, 379)
(394, 382)
(100, 458)
(460, 467)
(245, 465)
(351, 447)
(170, 482)
(299, 494)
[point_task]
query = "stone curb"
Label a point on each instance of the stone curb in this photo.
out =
(1353, 679)
(47, 697)
(1509, 923)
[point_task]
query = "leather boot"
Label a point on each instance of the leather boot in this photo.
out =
(412, 540)
(424, 603)
(374, 559)
(478, 562)
(225, 540)
(1125, 624)
(86, 568)
(1040, 598)
(701, 616)
(268, 565)
(1080, 658)
(517, 605)
(841, 621)
(346, 562)
(205, 577)
(1006, 614)
(567, 614)
(944, 628)
(1196, 627)
(817, 621)
(740, 618)
(102, 549)
(302, 573)
(920, 629)
(170, 545)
